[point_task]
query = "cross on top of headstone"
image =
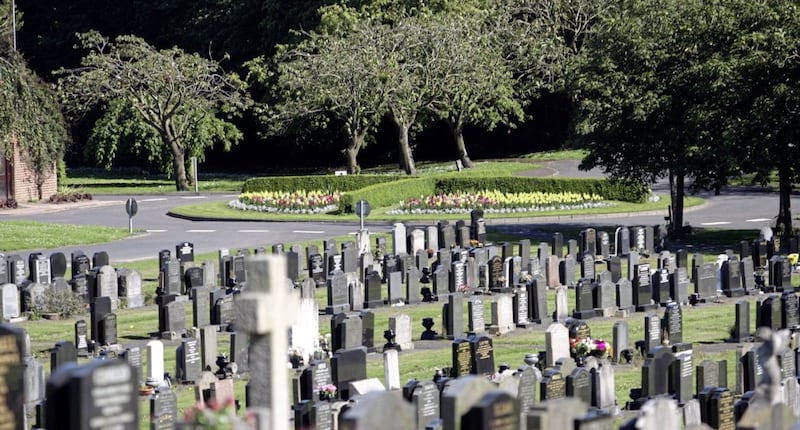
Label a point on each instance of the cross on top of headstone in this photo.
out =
(267, 309)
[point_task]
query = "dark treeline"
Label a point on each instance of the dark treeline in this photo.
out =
(237, 32)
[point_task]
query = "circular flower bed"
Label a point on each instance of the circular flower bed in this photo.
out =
(298, 202)
(498, 202)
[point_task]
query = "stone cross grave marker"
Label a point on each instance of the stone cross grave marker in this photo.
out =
(267, 310)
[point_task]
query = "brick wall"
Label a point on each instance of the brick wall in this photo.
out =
(24, 184)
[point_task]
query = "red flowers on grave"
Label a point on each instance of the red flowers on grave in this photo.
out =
(588, 347)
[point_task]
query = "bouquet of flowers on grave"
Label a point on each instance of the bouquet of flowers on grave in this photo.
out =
(214, 416)
(327, 392)
(580, 348)
(463, 288)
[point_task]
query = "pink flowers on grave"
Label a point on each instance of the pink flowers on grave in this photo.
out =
(580, 348)
(327, 392)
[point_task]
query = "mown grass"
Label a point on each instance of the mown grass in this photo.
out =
(20, 235)
(565, 154)
(214, 210)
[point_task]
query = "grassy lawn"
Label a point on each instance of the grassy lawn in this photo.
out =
(221, 210)
(18, 235)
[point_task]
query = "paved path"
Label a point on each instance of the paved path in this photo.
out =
(732, 210)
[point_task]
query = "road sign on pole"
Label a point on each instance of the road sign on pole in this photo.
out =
(131, 207)
(362, 209)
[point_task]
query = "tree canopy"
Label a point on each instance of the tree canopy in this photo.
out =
(185, 99)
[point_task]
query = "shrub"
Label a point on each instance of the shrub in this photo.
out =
(55, 301)
(69, 195)
(387, 194)
(8, 204)
(327, 183)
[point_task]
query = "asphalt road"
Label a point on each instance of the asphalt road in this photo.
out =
(731, 210)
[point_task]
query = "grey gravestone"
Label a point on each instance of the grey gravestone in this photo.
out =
(672, 326)
(619, 339)
(163, 409)
(624, 295)
(552, 386)
(346, 331)
(129, 287)
(741, 327)
(579, 385)
(453, 316)
(461, 358)
(482, 355)
(174, 318)
(338, 293)
(732, 279)
(395, 288)
(642, 294)
(679, 285)
(9, 305)
(81, 343)
(100, 259)
(62, 353)
(188, 360)
(660, 286)
(58, 265)
(108, 330)
(348, 365)
(94, 408)
(372, 296)
(537, 294)
(16, 270)
(652, 332)
(99, 308)
(475, 313)
(201, 307)
(424, 397)
(493, 408)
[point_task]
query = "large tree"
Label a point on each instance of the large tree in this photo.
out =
(331, 76)
(471, 83)
(763, 98)
(185, 99)
(646, 86)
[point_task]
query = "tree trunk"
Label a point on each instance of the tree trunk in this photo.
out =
(406, 157)
(457, 128)
(784, 221)
(353, 146)
(178, 164)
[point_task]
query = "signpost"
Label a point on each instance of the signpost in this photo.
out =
(131, 207)
(363, 209)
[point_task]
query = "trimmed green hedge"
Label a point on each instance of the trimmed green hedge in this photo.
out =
(610, 190)
(327, 183)
(388, 194)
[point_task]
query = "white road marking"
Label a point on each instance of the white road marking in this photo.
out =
(194, 197)
(155, 231)
(200, 231)
(715, 223)
(231, 195)
(253, 231)
(153, 200)
(758, 219)
(308, 231)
